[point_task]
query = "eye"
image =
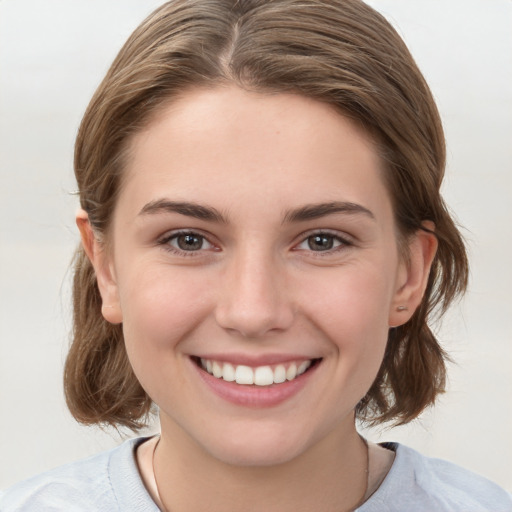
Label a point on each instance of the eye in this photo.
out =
(322, 242)
(187, 242)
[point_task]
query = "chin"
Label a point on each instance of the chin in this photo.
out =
(258, 447)
(255, 455)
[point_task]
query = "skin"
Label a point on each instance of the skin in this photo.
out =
(256, 288)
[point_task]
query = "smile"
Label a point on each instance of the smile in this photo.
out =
(254, 384)
(258, 376)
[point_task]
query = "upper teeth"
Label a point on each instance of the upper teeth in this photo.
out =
(260, 376)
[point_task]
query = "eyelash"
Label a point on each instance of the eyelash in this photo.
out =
(165, 242)
(343, 242)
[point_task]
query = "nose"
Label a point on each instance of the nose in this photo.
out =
(253, 297)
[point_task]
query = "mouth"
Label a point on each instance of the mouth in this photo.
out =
(261, 376)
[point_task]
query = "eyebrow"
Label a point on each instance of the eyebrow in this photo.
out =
(184, 208)
(208, 213)
(316, 211)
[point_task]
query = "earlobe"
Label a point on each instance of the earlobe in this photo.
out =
(413, 275)
(111, 309)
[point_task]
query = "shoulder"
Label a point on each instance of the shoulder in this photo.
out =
(420, 483)
(104, 482)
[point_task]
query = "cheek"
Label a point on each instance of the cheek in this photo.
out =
(352, 313)
(354, 302)
(161, 306)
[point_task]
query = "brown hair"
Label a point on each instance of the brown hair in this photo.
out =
(341, 52)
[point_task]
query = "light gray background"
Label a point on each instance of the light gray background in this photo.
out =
(53, 53)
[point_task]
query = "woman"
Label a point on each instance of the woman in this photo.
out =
(263, 241)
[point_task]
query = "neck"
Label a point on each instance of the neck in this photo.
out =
(330, 476)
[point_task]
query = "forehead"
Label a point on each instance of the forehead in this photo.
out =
(211, 143)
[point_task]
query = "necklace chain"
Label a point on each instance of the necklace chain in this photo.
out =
(163, 508)
(161, 505)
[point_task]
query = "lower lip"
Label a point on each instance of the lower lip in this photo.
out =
(256, 396)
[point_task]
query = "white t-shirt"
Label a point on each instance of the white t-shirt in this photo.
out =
(110, 481)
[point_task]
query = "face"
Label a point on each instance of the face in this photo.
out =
(254, 240)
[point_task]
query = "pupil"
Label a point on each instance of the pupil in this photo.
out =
(320, 242)
(189, 242)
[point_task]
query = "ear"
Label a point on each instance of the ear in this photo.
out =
(103, 268)
(413, 275)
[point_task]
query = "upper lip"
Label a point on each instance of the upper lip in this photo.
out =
(255, 360)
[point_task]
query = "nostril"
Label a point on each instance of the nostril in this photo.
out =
(255, 323)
